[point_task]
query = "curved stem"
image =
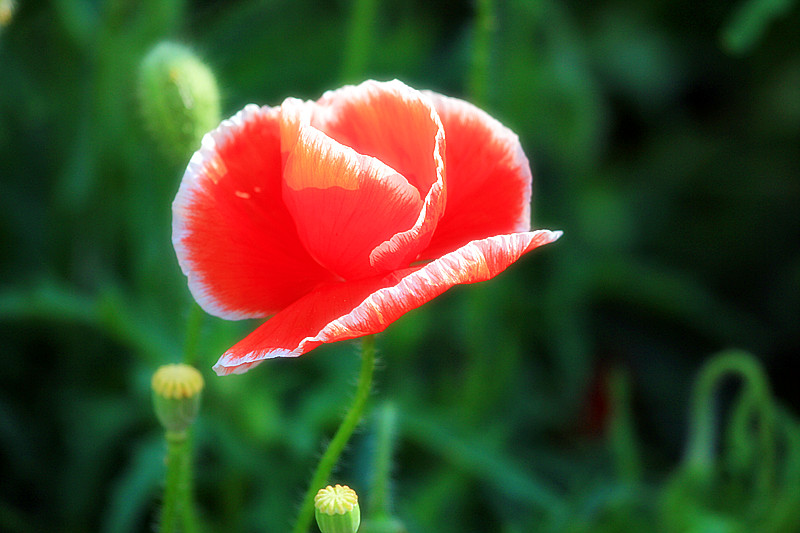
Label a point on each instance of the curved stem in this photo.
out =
(336, 446)
(701, 449)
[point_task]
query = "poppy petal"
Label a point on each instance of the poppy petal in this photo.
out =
(399, 126)
(340, 311)
(235, 240)
(344, 204)
(488, 178)
(389, 121)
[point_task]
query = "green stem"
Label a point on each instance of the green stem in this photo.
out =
(386, 427)
(178, 511)
(193, 326)
(336, 446)
(702, 443)
(621, 431)
(478, 82)
(359, 43)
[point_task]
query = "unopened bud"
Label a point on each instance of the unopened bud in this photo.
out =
(179, 99)
(7, 8)
(176, 396)
(336, 509)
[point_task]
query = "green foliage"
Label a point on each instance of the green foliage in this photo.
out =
(750, 21)
(734, 487)
(554, 398)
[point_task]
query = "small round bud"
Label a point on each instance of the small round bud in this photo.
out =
(7, 8)
(176, 396)
(178, 97)
(336, 509)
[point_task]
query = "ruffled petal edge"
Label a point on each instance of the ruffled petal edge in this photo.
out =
(361, 308)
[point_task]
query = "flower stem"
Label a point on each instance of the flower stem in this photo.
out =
(702, 442)
(336, 446)
(386, 427)
(359, 42)
(193, 326)
(621, 432)
(178, 511)
(478, 77)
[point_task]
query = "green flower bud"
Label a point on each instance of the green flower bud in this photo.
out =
(176, 396)
(7, 8)
(179, 99)
(336, 509)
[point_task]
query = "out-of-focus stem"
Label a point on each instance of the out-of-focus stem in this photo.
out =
(178, 513)
(359, 39)
(386, 427)
(622, 437)
(193, 326)
(478, 82)
(701, 449)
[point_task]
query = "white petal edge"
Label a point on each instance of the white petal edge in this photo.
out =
(501, 132)
(446, 266)
(207, 156)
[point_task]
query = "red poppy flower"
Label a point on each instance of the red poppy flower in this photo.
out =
(339, 216)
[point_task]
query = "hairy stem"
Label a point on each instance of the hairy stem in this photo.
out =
(337, 444)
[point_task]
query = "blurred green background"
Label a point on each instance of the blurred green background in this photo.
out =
(665, 139)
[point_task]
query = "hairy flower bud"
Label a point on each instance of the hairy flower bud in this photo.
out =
(179, 98)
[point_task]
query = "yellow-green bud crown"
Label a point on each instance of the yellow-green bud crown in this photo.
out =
(177, 381)
(337, 509)
(336, 500)
(176, 396)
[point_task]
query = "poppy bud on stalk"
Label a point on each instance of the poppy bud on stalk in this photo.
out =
(336, 509)
(179, 98)
(176, 396)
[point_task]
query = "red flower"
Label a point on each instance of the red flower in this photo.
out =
(341, 215)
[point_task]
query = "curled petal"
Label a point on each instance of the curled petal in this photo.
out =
(389, 121)
(340, 311)
(399, 126)
(344, 204)
(234, 238)
(488, 178)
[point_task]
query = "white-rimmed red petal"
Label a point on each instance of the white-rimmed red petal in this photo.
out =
(340, 311)
(400, 127)
(234, 238)
(488, 178)
(344, 204)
